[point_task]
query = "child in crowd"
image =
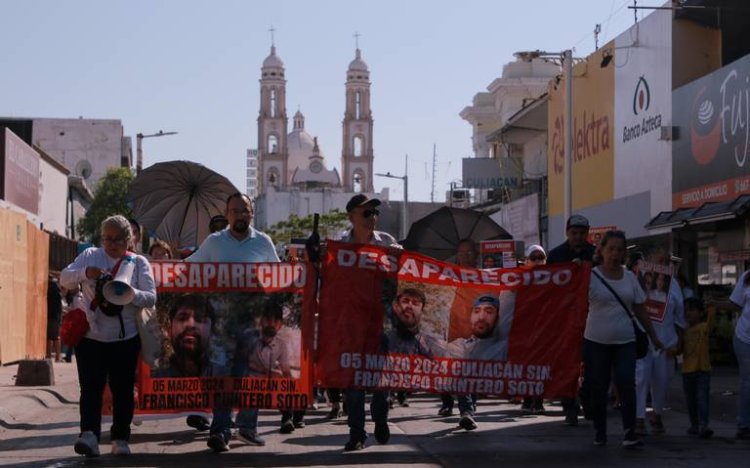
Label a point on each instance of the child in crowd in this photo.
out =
(696, 366)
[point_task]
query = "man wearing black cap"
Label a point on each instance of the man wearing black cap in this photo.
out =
(575, 247)
(363, 215)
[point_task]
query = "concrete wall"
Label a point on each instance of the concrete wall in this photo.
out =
(72, 141)
(53, 195)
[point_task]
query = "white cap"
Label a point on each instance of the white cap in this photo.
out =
(533, 248)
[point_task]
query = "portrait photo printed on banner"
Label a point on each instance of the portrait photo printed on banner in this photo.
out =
(225, 334)
(434, 320)
(227, 346)
(655, 279)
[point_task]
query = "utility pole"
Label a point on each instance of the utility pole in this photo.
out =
(139, 152)
(568, 147)
(434, 168)
(405, 210)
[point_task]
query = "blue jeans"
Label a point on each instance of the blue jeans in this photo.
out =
(247, 418)
(355, 406)
(600, 360)
(466, 404)
(742, 352)
(697, 387)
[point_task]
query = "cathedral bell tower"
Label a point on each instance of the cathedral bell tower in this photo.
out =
(357, 154)
(272, 125)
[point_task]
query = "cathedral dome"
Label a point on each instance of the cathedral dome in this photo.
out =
(300, 144)
(273, 60)
(358, 64)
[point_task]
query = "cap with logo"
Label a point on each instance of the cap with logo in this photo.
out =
(361, 200)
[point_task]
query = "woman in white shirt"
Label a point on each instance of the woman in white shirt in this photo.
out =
(109, 350)
(609, 337)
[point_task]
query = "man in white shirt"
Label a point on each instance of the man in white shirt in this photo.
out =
(239, 242)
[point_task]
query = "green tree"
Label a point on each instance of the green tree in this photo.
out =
(109, 199)
(329, 225)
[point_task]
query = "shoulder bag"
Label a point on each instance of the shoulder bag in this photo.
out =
(641, 338)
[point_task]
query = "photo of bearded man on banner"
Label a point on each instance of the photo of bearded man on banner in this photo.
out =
(490, 320)
(407, 334)
(190, 325)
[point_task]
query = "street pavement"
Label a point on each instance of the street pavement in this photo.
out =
(38, 426)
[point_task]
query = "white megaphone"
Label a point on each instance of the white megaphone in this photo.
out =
(118, 291)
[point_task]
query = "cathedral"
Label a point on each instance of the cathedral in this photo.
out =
(288, 173)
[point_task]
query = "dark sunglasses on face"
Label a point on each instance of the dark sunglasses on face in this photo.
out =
(370, 212)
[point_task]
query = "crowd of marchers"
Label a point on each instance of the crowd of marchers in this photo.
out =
(613, 367)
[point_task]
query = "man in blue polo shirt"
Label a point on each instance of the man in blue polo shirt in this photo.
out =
(239, 242)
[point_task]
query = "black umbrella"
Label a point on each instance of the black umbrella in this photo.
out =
(437, 234)
(175, 200)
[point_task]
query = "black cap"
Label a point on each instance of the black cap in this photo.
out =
(577, 221)
(361, 200)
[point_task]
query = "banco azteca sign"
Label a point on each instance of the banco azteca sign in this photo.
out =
(643, 123)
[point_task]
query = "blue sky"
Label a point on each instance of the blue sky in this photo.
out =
(193, 67)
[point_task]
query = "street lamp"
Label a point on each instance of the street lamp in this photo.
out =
(566, 56)
(404, 211)
(139, 152)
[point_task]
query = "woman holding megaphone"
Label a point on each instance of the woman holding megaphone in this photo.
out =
(116, 284)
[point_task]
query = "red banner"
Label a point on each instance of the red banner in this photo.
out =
(227, 334)
(391, 319)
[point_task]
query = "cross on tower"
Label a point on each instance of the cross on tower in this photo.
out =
(356, 39)
(272, 30)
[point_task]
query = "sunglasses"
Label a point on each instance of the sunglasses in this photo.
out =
(371, 212)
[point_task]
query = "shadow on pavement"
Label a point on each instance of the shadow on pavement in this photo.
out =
(330, 458)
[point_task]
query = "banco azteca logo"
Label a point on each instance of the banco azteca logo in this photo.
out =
(641, 97)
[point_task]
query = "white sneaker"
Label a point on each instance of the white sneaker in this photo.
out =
(120, 447)
(87, 444)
